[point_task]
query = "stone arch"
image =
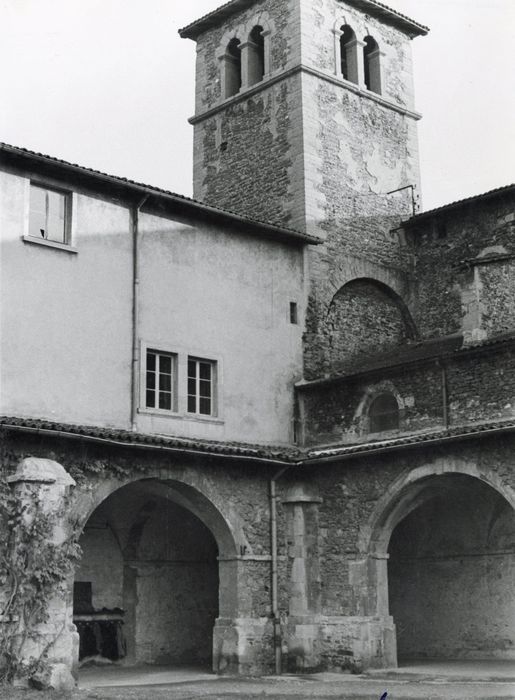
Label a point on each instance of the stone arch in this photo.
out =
(463, 504)
(255, 55)
(216, 543)
(372, 64)
(347, 52)
(374, 391)
(186, 493)
(407, 492)
(404, 495)
(365, 317)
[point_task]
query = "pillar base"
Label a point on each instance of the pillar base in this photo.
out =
(347, 644)
(243, 646)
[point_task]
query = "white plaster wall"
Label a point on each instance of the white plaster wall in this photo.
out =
(225, 297)
(66, 319)
(65, 323)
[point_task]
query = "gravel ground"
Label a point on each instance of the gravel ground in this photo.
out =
(227, 689)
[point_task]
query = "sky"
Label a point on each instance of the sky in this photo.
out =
(109, 84)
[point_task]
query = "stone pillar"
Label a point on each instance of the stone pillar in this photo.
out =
(303, 628)
(355, 63)
(374, 63)
(41, 484)
(250, 64)
(243, 633)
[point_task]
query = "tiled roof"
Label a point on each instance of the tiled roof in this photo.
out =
(452, 434)
(9, 152)
(434, 348)
(142, 440)
(283, 455)
(459, 203)
(373, 7)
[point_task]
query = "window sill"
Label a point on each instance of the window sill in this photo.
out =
(159, 412)
(49, 244)
(197, 417)
(194, 417)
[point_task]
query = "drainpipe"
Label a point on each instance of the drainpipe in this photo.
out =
(273, 546)
(445, 393)
(135, 210)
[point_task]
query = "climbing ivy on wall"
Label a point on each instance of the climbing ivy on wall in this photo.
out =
(33, 570)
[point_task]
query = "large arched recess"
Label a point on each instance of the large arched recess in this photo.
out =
(365, 317)
(440, 547)
(161, 552)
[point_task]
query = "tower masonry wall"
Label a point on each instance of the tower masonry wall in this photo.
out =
(321, 23)
(248, 157)
(282, 17)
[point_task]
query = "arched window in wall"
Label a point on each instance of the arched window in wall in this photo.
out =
(256, 56)
(383, 414)
(232, 68)
(372, 59)
(348, 54)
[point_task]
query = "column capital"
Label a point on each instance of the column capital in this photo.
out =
(41, 471)
(301, 493)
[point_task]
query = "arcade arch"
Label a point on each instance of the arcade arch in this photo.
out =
(442, 550)
(147, 588)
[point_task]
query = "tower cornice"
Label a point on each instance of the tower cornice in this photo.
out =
(278, 77)
(372, 7)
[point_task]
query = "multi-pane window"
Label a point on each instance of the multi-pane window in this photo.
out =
(161, 381)
(201, 386)
(49, 214)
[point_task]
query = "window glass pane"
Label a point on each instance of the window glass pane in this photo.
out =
(165, 364)
(192, 368)
(205, 407)
(151, 380)
(151, 399)
(192, 387)
(205, 389)
(37, 216)
(205, 370)
(165, 382)
(151, 361)
(165, 401)
(38, 199)
(56, 221)
(192, 404)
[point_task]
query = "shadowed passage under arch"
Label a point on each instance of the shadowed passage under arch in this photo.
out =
(147, 587)
(451, 545)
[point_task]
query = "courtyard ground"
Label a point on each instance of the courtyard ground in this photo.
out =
(453, 681)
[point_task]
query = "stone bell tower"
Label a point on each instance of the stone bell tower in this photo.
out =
(305, 117)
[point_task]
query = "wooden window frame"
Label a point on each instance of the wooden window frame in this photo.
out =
(173, 374)
(67, 199)
(196, 396)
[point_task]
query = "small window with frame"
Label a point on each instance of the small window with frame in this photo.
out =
(161, 381)
(49, 214)
(202, 387)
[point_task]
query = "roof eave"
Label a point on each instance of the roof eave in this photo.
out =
(468, 201)
(179, 204)
(373, 7)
